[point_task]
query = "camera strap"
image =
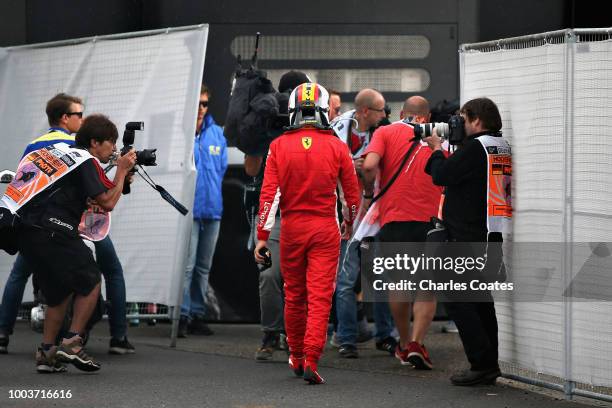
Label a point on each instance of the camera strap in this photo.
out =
(383, 190)
(162, 192)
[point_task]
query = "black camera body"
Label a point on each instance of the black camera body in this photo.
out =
(265, 253)
(144, 157)
(456, 129)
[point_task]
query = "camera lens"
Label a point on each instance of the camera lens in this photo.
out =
(442, 129)
(146, 157)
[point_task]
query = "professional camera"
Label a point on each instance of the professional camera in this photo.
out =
(453, 131)
(422, 130)
(145, 157)
(456, 125)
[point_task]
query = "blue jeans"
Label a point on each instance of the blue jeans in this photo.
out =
(346, 302)
(13, 294)
(204, 234)
(111, 269)
(113, 277)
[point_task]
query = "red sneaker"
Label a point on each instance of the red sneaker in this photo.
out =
(311, 375)
(402, 355)
(296, 364)
(418, 356)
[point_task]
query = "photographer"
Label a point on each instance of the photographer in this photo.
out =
(465, 213)
(49, 239)
(405, 209)
(65, 116)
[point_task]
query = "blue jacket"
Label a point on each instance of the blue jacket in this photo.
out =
(55, 135)
(210, 155)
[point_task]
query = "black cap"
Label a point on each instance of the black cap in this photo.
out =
(290, 80)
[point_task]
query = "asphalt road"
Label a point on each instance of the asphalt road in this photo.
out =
(158, 376)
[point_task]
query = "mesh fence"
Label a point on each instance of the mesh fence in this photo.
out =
(152, 77)
(554, 94)
(344, 47)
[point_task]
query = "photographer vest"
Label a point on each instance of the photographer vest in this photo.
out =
(39, 170)
(499, 183)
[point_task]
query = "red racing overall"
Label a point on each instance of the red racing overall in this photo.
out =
(302, 172)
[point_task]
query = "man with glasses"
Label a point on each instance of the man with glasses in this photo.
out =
(65, 116)
(210, 157)
(355, 128)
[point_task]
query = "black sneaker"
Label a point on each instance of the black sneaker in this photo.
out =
(269, 343)
(388, 344)
(198, 327)
(4, 342)
(72, 351)
(47, 363)
(476, 377)
(182, 328)
(121, 347)
(348, 351)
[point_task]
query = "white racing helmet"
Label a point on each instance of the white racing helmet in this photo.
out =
(309, 106)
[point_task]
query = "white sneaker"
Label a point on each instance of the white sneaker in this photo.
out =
(333, 342)
(450, 327)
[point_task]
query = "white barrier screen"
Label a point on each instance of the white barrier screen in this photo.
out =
(153, 78)
(555, 101)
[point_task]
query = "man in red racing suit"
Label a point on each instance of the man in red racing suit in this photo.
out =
(302, 171)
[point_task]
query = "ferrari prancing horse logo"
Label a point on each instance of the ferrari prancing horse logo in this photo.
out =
(307, 142)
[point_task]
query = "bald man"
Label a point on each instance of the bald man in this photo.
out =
(416, 110)
(369, 111)
(355, 128)
(405, 212)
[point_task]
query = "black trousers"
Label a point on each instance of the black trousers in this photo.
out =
(477, 326)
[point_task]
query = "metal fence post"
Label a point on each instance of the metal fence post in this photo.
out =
(568, 224)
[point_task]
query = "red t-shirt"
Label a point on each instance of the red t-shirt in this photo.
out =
(413, 195)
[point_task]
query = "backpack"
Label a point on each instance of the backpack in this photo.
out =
(8, 231)
(253, 107)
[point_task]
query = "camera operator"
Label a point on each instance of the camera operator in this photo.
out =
(270, 280)
(465, 214)
(65, 116)
(49, 239)
(405, 211)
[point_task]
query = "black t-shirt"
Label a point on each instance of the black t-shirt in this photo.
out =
(60, 207)
(464, 174)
